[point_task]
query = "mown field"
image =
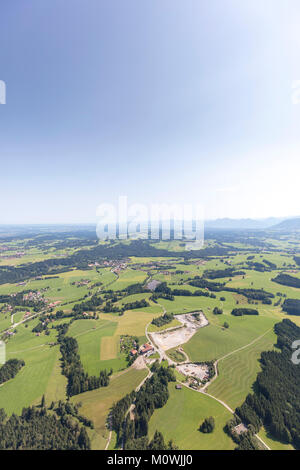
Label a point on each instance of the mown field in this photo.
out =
(181, 417)
(98, 345)
(213, 342)
(238, 372)
(128, 277)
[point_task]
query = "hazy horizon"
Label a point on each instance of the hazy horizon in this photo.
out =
(92, 223)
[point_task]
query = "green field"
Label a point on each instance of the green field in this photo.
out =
(128, 277)
(97, 403)
(237, 348)
(239, 370)
(89, 335)
(181, 417)
(33, 380)
(213, 341)
(41, 374)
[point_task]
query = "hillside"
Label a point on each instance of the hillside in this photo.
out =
(288, 225)
(259, 224)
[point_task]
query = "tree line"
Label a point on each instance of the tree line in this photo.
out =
(10, 369)
(78, 380)
(38, 429)
(133, 434)
(275, 402)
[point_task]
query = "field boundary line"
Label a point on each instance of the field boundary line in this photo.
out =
(231, 353)
(225, 406)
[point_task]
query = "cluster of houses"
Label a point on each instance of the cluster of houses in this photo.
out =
(87, 314)
(26, 315)
(118, 268)
(115, 265)
(53, 304)
(9, 308)
(93, 265)
(33, 296)
(145, 350)
(19, 254)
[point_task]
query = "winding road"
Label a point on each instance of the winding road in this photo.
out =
(163, 355)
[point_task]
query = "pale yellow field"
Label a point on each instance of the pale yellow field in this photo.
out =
(109, 347)
(132, 323)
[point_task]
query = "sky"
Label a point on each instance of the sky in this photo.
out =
(172, 101)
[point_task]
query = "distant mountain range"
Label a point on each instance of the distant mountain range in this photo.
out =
(254, 224)
(288, 225)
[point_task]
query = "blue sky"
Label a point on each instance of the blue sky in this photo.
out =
(162, 101)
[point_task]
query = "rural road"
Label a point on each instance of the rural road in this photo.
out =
(203, 389)
(131, 407)
(23, 321)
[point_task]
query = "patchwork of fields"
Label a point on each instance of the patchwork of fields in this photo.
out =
(236, 347)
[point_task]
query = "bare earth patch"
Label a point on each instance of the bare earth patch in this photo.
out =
(139, 363)
(173, 338)
(194, 370)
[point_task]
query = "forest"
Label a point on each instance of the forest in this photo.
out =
(287, 280)
(10, 369)
(39, 429)
(273, 405)
(72, 368)
(132, 434)
(291, 306)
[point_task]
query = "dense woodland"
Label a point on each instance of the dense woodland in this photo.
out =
(10, 369)
(250, 294)
(40, 429)
(239, 312)
(78, 380)
(275, 402)
(287, 280)
(153, 394)
(291, 306)
(81, 259)
(220, 273)
(163, 319)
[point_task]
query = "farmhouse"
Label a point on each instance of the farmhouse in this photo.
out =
(240, 429)
(133, 352)
(146, 349)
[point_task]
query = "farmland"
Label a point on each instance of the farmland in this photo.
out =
(102, 299)
(97, 404)
(183, 426)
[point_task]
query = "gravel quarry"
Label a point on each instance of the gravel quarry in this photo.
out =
(191, 322)
(194, 370)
